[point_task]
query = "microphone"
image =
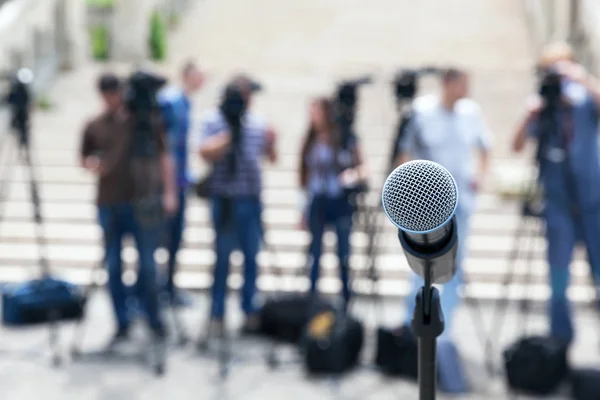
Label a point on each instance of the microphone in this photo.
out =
(420, 198)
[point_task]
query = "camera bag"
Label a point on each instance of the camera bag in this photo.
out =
(332, 343)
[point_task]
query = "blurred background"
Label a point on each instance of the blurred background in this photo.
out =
(297, 50)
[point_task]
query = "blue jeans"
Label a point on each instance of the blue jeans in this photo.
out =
(237, 224)
(449, 292)
(323, 212)
(562, 233)
(117, 221)
(174, 232)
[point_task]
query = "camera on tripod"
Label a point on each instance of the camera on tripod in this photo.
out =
(141, 101)
(550, 87)
(345, 101)
(233, 106)
(19, 100)
(406, 82)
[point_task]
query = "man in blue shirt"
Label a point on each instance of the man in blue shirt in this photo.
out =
(176, 107)
(449, 128)
(569, 174)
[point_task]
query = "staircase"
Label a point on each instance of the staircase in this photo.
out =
(299, 50)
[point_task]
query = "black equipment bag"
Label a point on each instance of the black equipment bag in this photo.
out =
(536, 365)
(40, 301)
(397, 352)
(285, 318)
(332, 343)
(585, 384)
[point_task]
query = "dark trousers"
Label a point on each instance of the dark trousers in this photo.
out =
(174, 233)
(337, 212)
(237, 224)
(117, 221)
(563, 230)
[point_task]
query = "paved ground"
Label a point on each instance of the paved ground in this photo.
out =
(298, 50)
(191, 375)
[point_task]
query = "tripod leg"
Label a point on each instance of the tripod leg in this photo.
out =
(499, 309)
(525, 303)
(54, 339)
(272, 359)
(79, 330)
(224, 355)
(179, 327)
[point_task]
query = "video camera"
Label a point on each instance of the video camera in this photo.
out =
(233, 106)
(550, 87)
(142, 90)
(141, 101)
(19, 100)
(345, 100)
(406, 82)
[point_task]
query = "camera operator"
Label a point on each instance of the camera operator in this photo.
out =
(449, 128)
(564, 121)
(108, 150)
(324, 176)
(176, 108)
(234, 141)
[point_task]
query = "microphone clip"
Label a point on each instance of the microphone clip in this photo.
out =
(442, 263)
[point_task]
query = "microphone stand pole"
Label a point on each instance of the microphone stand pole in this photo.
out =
(427, 324)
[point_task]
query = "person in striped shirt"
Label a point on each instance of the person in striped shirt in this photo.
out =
(235, 149)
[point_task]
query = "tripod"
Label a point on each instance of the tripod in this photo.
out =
(158, 353)
(21, 144)
(224, 353)
(529, 228)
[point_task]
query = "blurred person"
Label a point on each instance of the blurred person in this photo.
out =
(234, 141)
(176, 108)
(106, 152)
(324, 174)
(449, 129)
(569, 173)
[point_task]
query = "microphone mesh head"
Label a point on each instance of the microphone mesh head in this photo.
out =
(420, 196)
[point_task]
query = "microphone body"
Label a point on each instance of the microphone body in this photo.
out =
(435, 250)
(420, 198)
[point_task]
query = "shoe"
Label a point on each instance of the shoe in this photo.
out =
(119, 338)
(216, 328)
(159, 333)
(251, 325)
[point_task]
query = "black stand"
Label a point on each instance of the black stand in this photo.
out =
(21, 143)
(428, 324)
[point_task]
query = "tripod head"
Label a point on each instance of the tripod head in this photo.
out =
(19, 100)
(346, 99)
